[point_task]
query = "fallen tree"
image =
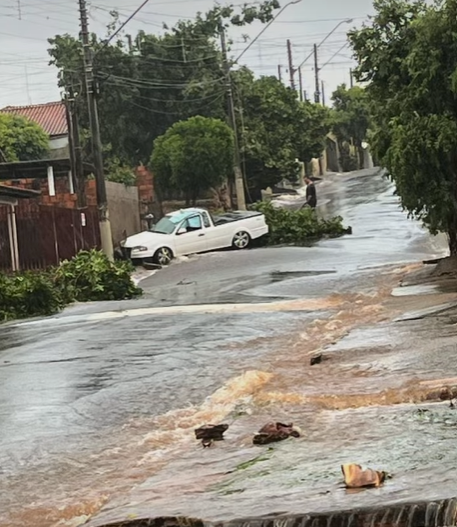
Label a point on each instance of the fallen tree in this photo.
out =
(90, 276)
(298, 226)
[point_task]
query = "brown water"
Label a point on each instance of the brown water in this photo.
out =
(360, 405)
(286, 387)
(116, 434)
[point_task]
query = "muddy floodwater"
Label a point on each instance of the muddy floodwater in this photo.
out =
(98, 404)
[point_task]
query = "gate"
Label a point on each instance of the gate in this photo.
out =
(47, 235)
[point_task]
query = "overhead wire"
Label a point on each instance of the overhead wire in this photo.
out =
(153, 110)
(57, 11)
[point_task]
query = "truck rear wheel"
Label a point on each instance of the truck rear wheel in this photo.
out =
(241, 240)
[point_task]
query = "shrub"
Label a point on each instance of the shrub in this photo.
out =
(297, 226)
(27, 295)
(88, 276)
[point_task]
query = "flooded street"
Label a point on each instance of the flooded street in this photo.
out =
(98, 404)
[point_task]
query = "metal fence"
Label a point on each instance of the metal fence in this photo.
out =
(47, 235)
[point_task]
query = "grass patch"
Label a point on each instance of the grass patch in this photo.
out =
(251, 462)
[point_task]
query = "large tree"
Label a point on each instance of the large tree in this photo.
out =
(350, 123)
(193, 156)
(21, 139)
(276, 130)
(156, 81)
(408, 57)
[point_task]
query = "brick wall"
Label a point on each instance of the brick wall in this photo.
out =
(63, 197)
(145, 184)
(149, 204)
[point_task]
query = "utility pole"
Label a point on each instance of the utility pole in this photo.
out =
(300, 83)
(71, 145)
(76, 157)
(27, 87)
(280, 72)
(351, 78)
(317, 95)
(239, 180)
(291, 65)
(103, 214)
(323, 93)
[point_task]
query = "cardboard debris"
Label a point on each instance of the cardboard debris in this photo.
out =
(274, 432)
(356, 478)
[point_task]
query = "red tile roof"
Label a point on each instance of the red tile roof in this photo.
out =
(51, 116)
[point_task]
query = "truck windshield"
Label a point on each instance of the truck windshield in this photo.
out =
(166, 225)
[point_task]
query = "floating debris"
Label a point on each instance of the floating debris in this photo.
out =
(210, 433)
(356, 478)
(316, 359)
(274, 432)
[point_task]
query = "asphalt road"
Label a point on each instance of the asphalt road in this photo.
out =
(68, 383)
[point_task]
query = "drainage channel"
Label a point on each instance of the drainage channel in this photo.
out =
(441, 513)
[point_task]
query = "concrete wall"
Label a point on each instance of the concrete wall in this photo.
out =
(124, 210)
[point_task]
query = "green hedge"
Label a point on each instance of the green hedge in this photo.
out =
(298, 226)
(90, 276)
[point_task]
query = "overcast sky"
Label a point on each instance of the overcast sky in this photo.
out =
(25, 25)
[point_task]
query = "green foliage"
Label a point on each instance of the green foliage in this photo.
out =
(276, 129)
(408, 58)
(160, 80)
(22, 140)
(90, 276)
(193, 156)
(27, 295)
(350, 122)
(163, 79)
(118, 172)
(297, 226)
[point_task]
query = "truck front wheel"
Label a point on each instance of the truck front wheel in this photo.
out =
(163, 256)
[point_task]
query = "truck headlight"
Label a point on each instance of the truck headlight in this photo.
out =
(140, 248)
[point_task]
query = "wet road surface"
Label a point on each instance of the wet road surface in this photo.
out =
(96, 399)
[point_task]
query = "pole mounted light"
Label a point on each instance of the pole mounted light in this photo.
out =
(266, 27)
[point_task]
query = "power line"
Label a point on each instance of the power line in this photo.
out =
(124, 24)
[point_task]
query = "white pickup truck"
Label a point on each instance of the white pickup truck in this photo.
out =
(191, 231)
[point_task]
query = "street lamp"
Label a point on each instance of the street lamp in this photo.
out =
(266, 27)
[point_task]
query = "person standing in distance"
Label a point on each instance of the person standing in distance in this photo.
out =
(311, 197)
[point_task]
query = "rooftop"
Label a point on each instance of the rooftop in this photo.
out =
(39, 168)
(17, 192)
(50, 116)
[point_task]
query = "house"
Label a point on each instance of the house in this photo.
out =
(52, 117)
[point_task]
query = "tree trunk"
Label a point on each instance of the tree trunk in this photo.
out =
(452, 237)
(361, 157)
